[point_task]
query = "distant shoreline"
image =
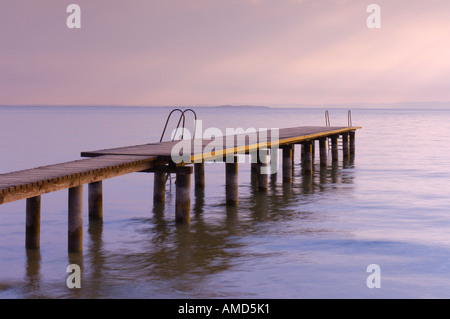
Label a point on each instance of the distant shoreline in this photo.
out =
(402, 105)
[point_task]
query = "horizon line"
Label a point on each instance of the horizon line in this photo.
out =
(356, 105)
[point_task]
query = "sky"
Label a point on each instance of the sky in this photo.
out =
(217, 52)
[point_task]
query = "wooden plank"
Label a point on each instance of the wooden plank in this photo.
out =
(51, 174)
(34, 185)
(242, 143)
(75, 167)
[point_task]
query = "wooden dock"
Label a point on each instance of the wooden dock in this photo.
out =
(157, 158)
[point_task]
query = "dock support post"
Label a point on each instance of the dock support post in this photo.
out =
(75, 238)
(183, 195)
(323, 151)
(334, 148)
(199, 174)
(288, 151)
(345, 150)
(307, 157)
(95, 191)
(352, 143)
(263, 182)
(159, 187)
(33, 222)
(254, 161)
(231, 182)
(293, 156)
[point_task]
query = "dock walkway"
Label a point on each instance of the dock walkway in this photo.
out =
(157, 158)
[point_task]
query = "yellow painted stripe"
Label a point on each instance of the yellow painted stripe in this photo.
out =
(247, 148)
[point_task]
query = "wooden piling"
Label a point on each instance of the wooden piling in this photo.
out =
(33, 222)
(334, 148)
(302, 153)
(352, 143)
(254, 162)
(183, 195)
(199, 174)
(307, 158)
(345, 150)
(293, 156)
(159, 186)
(263, 181)
(231, 182)
(95, 191)
(75, 220)
(287, 163)
(323, 151)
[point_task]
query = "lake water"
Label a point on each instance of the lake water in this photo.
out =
(390, 206)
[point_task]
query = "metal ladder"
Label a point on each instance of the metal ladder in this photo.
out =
(182, 120)
(327, 124)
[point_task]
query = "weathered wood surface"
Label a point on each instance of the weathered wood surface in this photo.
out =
(45, 179)
(242, 143)
(113, 162)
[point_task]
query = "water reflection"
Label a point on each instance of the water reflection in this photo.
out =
(33, 269)
(78, 259)
(284, 198)
(209, 245)
(232, 219)
(307, 184)
(97, 257)
(199, 202)
(335, 173)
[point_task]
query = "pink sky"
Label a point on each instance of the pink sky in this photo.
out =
(213, 52)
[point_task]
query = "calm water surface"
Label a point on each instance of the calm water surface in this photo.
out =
(314, 239)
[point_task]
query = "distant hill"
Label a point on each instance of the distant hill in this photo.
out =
(401, 105)
(242, 106)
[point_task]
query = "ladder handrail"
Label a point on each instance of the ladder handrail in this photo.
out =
(349, 118)
(327, 119)
(167, 122)
(178, 125)
(182, 117)
(195, 121)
